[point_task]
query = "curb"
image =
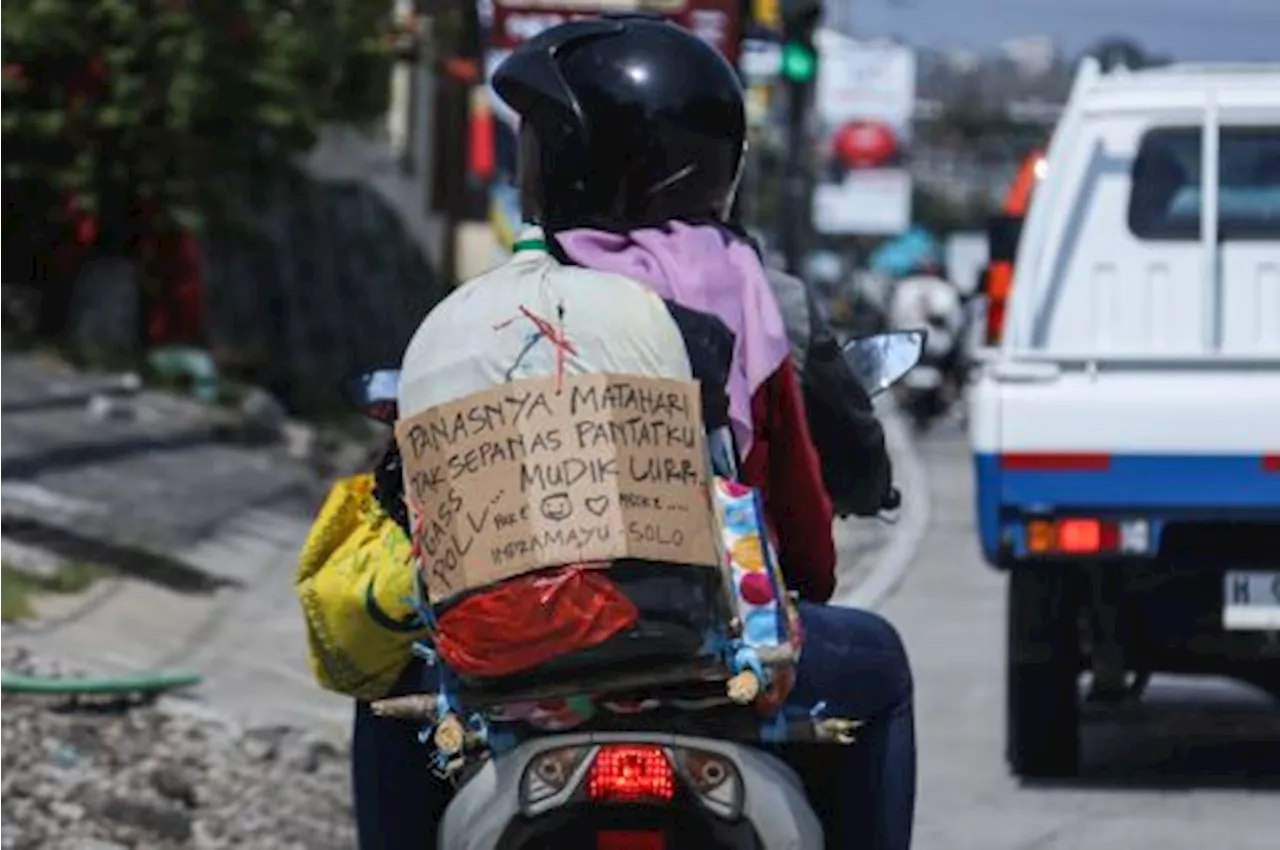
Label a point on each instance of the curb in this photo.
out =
(891, 563)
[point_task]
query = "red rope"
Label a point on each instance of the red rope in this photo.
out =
(555, 335)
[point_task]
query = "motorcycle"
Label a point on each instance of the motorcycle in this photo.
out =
(661, 771)
(933, 303)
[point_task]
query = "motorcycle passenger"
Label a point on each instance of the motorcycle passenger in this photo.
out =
(856, 468)
(632, 140)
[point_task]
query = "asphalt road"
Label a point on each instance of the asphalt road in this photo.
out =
(1195, 765)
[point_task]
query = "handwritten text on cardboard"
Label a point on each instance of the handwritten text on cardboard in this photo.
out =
(528, 475)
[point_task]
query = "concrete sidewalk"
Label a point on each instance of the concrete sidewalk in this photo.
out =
(248, 641)
(155, 475)
(203, 533)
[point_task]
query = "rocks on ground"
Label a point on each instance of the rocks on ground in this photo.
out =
(163, 776)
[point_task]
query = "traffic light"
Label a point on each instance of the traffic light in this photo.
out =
(799, 62)
(799, 55)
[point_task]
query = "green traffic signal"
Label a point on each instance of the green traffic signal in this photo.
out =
(799, 62)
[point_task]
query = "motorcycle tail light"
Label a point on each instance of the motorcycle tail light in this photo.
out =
(550, 773)
(615, 839)
(631, 773)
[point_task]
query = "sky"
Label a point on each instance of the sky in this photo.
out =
(1187, 30)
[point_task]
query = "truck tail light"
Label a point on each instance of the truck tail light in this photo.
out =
(1087, 536)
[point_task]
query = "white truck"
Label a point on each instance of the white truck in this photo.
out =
(1126, 433)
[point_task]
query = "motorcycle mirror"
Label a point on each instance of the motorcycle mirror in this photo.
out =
(373, 394)
(880, 361)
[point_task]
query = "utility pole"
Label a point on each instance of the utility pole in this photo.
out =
(799, 71)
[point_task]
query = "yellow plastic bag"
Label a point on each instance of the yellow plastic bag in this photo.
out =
(355, 581)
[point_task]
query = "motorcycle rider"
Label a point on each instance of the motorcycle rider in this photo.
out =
(632, 139)
(926, 298)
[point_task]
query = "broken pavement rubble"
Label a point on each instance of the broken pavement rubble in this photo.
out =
(169, 775)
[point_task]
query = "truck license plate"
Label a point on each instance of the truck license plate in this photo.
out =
(1251, 601)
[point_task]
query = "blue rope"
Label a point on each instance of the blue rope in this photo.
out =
(425, 651)
(421, 607)
(746, 658)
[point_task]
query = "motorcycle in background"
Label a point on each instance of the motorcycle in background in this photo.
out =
(930, 301)
(853, 300)
(657, 778)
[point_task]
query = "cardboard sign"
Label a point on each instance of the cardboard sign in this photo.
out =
(531, 475)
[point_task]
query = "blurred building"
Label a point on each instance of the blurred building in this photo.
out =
(1033, 56)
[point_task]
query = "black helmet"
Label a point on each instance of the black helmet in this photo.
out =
(626, 120)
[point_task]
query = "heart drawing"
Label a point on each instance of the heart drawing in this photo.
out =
(597, 504)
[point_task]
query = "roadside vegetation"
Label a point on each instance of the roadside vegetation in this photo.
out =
(19, 588)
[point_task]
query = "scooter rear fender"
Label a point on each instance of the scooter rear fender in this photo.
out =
(774, 800)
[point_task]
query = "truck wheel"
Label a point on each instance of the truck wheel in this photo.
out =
(1042, 723)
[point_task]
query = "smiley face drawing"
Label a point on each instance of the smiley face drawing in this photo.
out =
(557, 507)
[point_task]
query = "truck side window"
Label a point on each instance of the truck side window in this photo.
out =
(1164, 203)
(1249, 174)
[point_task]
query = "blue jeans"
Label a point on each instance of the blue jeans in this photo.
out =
(853, 660)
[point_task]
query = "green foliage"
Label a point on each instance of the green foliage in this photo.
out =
(69, 577)
(164, 109)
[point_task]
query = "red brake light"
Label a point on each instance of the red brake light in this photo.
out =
(633, 840)
(631, 773)
(1087, 536)
(1079, 536)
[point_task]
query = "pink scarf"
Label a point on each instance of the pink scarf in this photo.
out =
(704, 268)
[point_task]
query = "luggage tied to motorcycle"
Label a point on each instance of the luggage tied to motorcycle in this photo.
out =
(571, 531)
(357, 594)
